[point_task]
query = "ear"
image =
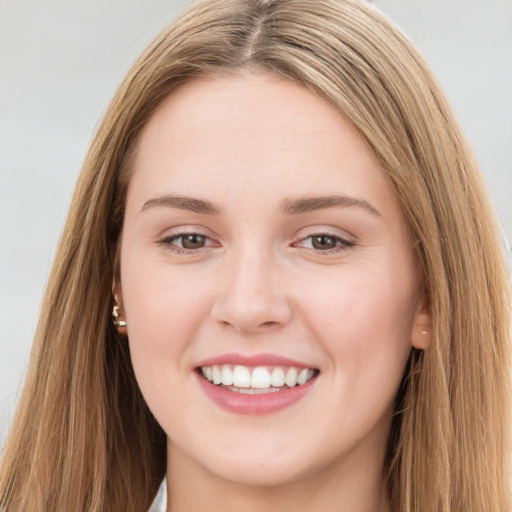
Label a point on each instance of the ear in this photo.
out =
(421, 334)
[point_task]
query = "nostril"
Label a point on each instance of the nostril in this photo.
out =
(250, 313)
(268, 324)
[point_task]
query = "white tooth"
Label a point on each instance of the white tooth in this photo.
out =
(203, 371)
(291, 377)
(303, 377)
(227, 375)
(260, 378)
(277, 377)
(209, 373)
(241, 377)
(311, 374)
(217, 375)
(247, 391)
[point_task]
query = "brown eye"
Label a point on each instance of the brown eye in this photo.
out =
(324, 242)
(187, 243)
(193, 241)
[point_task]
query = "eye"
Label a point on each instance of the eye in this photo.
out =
(186, 242)
(190, 241)
(325, 242)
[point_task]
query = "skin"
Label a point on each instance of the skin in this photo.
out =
(260, 285)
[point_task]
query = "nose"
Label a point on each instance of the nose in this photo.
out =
(250, 297)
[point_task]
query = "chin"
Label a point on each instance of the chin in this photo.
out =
(260, 463)
(259, 474)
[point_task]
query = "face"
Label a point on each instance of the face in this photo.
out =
(268, 282)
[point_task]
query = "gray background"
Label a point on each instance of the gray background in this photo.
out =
(61, 61)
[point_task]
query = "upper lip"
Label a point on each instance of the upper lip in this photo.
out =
(253, 360)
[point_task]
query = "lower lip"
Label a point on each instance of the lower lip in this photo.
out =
(242, 403)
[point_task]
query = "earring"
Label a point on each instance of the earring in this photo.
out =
(120, 324)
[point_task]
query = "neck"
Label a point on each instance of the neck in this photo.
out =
(354, 484)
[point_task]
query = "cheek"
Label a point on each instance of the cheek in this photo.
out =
(363, 321)
(161, 301)
(163, 313)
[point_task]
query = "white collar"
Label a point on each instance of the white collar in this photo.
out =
(160, 502)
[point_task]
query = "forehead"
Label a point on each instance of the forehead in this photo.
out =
(258, 131)
(262, 103)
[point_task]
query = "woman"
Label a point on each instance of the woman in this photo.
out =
(309, 297)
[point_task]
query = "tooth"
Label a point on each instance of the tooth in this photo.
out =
(303, 377)
(265, 391)
(260, 378)
(227, 375)
(277, 378)
(217, 376)
(291, 377)
(247, 391)
(241, 377)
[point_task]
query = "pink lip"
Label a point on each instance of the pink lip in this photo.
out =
(254, 404)
(254, 360)
(246, 404)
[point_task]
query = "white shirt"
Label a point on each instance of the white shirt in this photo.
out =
(160, 502)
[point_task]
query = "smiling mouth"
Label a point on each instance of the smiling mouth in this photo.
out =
(257, 380)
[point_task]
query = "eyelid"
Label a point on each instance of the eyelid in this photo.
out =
(344, 244)
(338, 238)
(169, 236)
(166, 240)
(183, 235)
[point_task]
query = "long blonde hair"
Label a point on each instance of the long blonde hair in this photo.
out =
(83, 438)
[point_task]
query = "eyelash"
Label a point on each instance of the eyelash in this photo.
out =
(341, 243)
(167, 242)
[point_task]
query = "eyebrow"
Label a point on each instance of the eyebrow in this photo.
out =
(288, 206)
(190, 204)
(309, 204)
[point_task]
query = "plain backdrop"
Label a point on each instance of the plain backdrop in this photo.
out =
(61, 61)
